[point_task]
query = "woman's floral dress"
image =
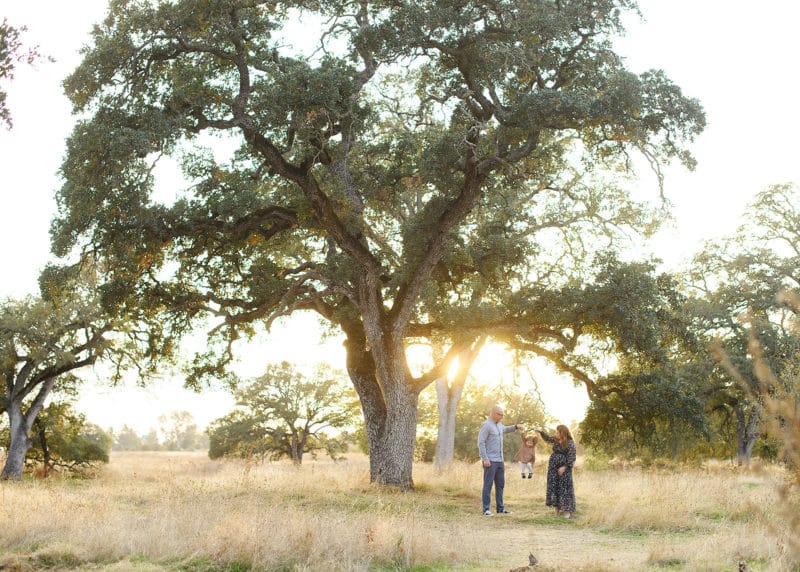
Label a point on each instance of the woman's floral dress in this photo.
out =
(560, 489)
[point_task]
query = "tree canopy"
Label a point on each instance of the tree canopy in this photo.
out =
(46, 340)
(410, 170)
(718, 331)
(12, 53)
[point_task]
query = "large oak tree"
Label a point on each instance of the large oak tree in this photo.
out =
(393, 167)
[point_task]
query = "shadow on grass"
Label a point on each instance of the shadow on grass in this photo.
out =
(548, 520)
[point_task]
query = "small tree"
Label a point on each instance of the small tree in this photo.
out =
(448, 395)
(647, 403)
(150, 441)
(283, 413)
(181, 433)
(128, 439)
(62, 439)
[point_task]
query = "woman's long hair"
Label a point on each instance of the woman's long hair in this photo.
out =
(563, 436)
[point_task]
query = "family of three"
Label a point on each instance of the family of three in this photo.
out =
(560, 488)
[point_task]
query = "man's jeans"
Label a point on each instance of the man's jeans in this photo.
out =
(496, 473)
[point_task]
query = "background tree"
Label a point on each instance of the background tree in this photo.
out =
(684, 403)
(43, 342)
(127, 439)
(449, 389)
(150, 440)
(63, 440)
(283, 413)
(737, 286)
(393, 164)
(647, 402)
(180, 433)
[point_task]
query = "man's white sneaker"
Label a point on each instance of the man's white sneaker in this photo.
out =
(487, 513)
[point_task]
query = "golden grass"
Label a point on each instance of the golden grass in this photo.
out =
(779, 402)
(180, 511)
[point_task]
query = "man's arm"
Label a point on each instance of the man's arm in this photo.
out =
(510, 428)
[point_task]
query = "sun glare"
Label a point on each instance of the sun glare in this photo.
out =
(496, 366)
(563, 401)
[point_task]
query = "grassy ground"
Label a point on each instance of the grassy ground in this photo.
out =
(169, 511)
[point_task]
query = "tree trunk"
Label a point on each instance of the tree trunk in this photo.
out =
(302, 437)
(19, 444)
(391, 452)
(746, 434)
(390, 414)
(448, 397)
(293, 440)
(20, 425)
(41, 432)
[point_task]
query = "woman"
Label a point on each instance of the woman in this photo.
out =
(560, 489)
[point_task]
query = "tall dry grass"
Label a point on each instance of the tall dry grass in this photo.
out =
(173, 508)
(708, 518)
(779, 402)
(164, 511)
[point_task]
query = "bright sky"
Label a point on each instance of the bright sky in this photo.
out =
(737, 57)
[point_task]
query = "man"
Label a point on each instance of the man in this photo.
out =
(490, 445)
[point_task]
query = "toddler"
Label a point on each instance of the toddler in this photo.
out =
(527, 454)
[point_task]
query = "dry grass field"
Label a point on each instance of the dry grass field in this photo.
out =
(180, 511)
